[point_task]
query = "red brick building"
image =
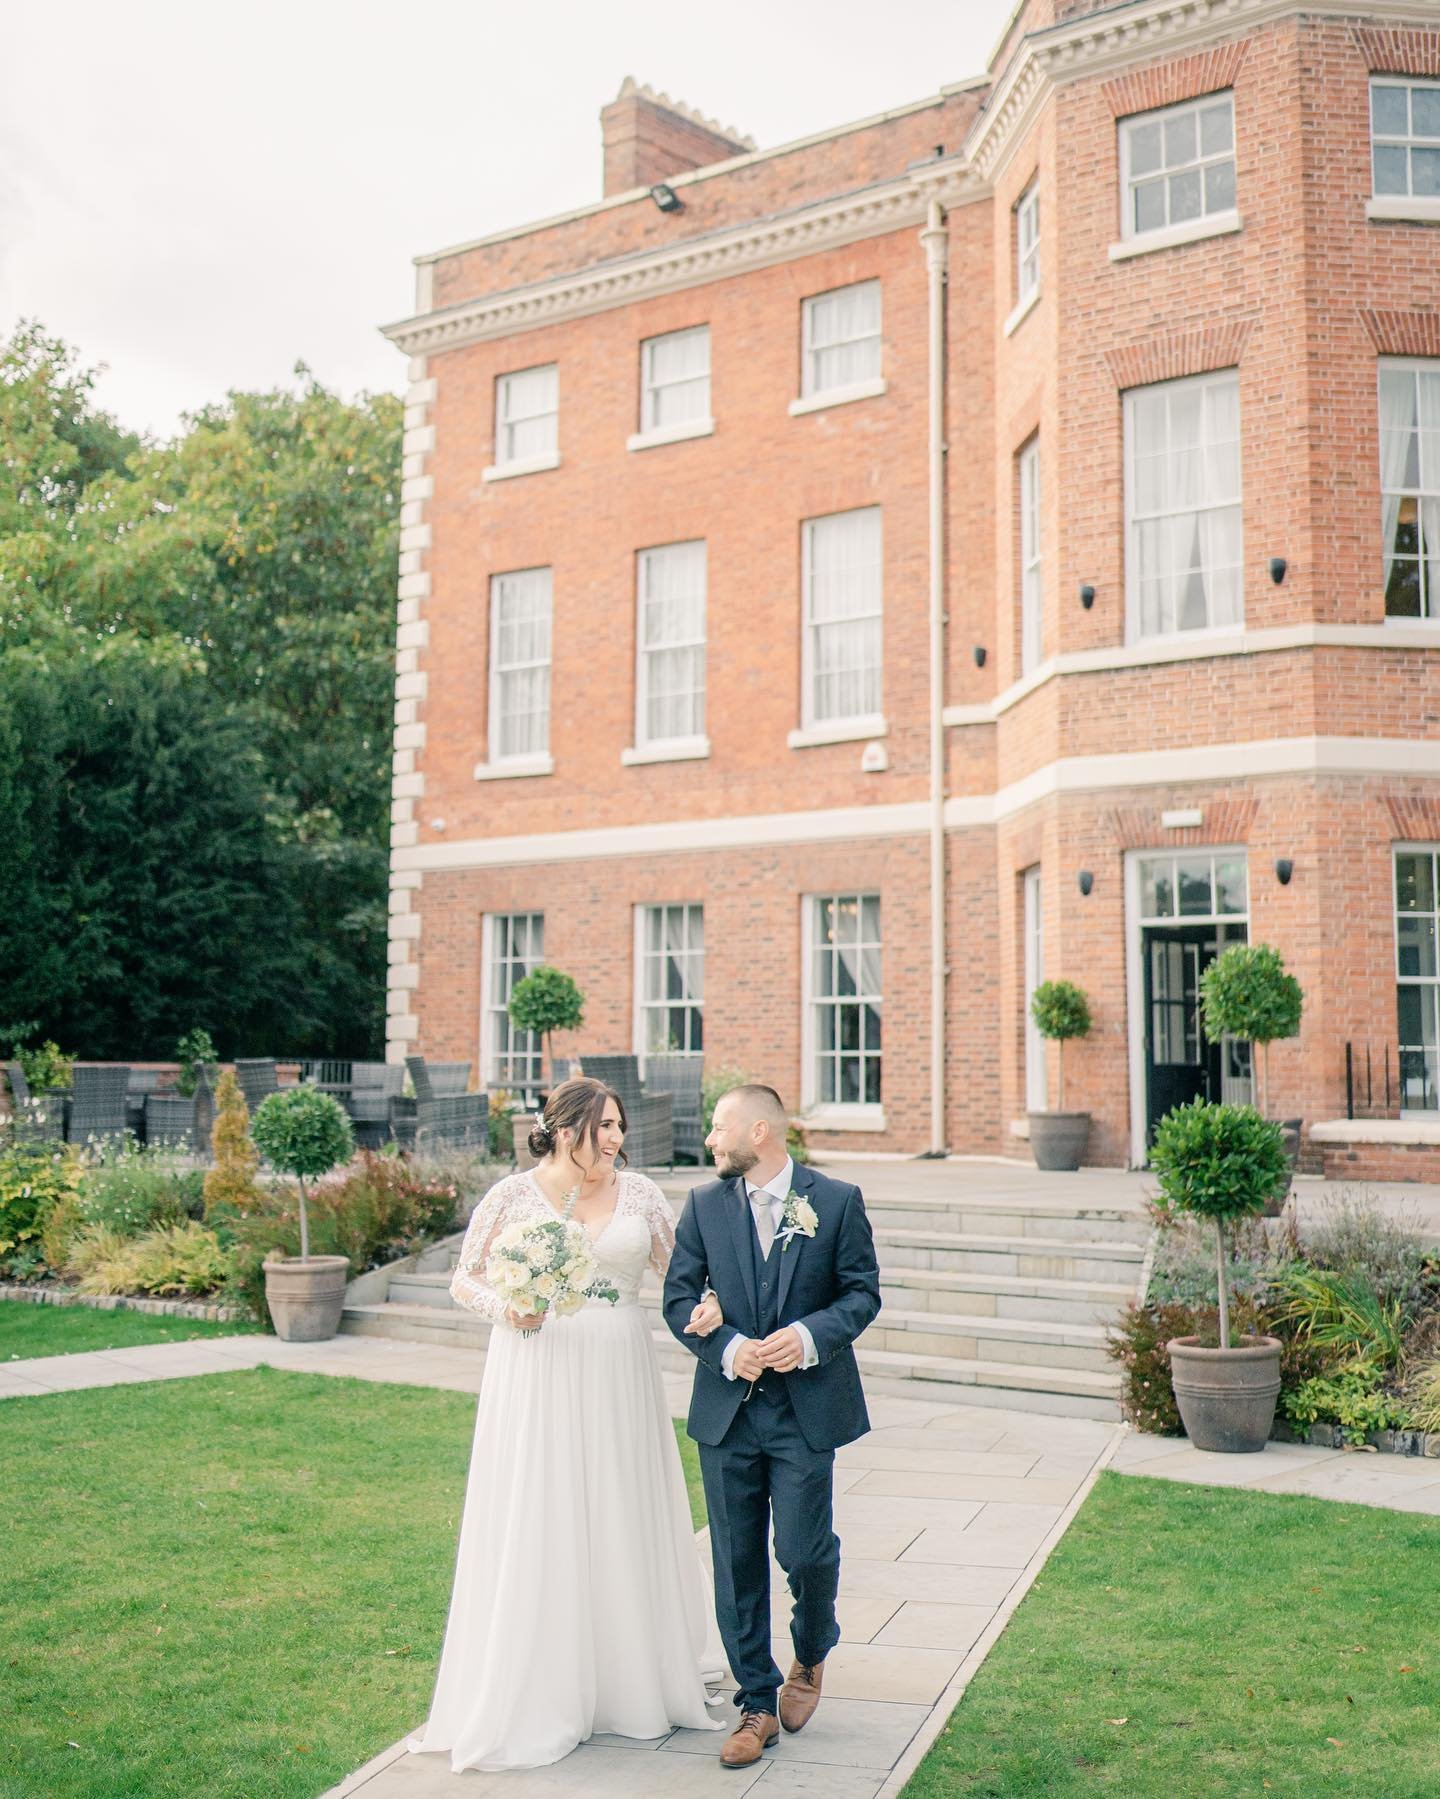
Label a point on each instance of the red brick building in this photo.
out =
(841, 584)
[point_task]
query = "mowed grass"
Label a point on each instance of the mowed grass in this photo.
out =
(1192, 1642)
(30, 1330)
(232, 1585)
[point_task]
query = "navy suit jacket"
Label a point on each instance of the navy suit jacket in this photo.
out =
(830, 1283)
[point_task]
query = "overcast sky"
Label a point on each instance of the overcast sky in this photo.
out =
(198, 195)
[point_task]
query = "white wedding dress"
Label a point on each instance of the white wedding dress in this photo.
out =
(580, 1602)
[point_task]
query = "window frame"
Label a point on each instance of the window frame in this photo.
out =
(1409, 142)
(1036, 1072)
(644, 957)
(491, 1012)
(1427, 983)
(859, 723)
(1134, 635)
(695, 742)
(862, 1115)
(506, 462)
(651, 430)
(865, 384)
(1028, 205)
(1031, 556)
(530, 757)
(1414, 366)
(1207, 223)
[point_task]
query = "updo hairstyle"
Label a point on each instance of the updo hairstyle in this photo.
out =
(577, 1105)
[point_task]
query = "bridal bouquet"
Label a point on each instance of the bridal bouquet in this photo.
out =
(545, 1265)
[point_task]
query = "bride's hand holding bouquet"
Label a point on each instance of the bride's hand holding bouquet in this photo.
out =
(544, 1265)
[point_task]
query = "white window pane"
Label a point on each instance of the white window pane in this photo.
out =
(842, 337)
(1425, 112)
(1217, 129)
(1425, 172)
(1392, 169)
(1219, 187)
(1180, 139)
(1145, 147)
(1389, 110)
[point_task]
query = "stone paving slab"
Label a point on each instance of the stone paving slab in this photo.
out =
(1401, 1483)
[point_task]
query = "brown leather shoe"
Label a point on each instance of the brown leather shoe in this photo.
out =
(754, 1734)
(800, 1695)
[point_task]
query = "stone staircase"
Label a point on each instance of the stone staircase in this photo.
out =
(996, 1300)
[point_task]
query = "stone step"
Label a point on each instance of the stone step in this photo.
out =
(1023, 1341)
(1068, 1392)
(1038, 1258)
(1004, 1295)
(1007, 1218)
(415, 1288)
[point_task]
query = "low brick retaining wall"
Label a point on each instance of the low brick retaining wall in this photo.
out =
(1385, 1442)
(124, 1302)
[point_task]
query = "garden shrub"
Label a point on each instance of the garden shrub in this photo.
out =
(374, 1209)
(130, 1188)
(173, 1259)
(1184, 1267)
(230, 1180)
(1340, 1312)
(1353, 1397)
(1423, 1395)
(194, 1051)
(1355, 1233)
(713, 1088)
(34, 1179)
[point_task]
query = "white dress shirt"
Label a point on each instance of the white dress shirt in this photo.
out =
(776, 1192)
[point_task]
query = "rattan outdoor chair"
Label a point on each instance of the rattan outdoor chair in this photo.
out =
(681, 1077)
(98, 1106)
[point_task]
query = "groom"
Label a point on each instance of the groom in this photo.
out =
(788, 1252)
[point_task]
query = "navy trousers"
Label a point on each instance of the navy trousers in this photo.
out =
(764, 1470)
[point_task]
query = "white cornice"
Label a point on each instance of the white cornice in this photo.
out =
(869, 213)
(1201, 765)
(1272, 640)
(1118, 37)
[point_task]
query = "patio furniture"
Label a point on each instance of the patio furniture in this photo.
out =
(374, 1088)
(453, 1121)
(142, 1082)
(420, 1077)
(448, 1077)
(562, 1068)
(681, 1078)
(650, 1133)
(258, 1077)
(39, 1117)
(97, 1106)
(181, 1121)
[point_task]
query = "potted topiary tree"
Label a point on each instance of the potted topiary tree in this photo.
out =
(1221, 1163)
(544, 1002)
(304, 1132)
(1247, 993)
(1057, 1139)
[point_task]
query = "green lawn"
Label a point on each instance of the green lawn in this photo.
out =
(232, 1585)
(1191, 1642)
(31, 1330)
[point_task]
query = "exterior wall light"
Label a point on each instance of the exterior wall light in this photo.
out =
(1087, 595)
(1284, 868)
(1085, 881)
(979, 654)
(666, 198)
(1278, 565)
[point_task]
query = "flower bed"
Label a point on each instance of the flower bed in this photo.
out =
(1355, 1305)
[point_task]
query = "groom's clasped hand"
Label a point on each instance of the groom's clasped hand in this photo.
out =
(782, 1350)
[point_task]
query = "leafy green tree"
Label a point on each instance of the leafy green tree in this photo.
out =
(1247, 993)
(1061, 1011)
(303, 1132)
(544, 1002)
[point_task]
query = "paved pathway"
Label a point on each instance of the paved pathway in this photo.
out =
(946, 1513)
(1401, 1483)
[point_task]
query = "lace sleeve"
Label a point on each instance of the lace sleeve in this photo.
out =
(468, 1286)
(662, 1228)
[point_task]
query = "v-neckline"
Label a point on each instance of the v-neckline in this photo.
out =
(549, 1205)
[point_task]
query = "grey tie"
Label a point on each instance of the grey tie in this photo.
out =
(761, 1208)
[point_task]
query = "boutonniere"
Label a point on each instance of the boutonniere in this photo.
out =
(797, 1220)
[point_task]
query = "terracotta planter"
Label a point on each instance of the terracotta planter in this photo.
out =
(1226, 1396)
(1058, 1139)
(306, 1298)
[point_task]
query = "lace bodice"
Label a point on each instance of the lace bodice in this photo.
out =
(639, 1234)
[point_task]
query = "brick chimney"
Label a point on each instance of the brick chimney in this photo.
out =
(649, 137)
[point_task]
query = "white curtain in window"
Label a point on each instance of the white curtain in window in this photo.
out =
(529, 401)
(677, 378)
(844, 578)
(1399, 449)
(520, 663)
(843, 330)
(672, 642)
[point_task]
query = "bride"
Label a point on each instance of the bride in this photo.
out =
(579, 1602)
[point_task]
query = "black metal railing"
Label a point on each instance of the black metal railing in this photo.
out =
(1384, 1079)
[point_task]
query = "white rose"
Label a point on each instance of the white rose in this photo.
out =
(546, 1286)
(569, 1304)
(805, 1217)
(506, 1276)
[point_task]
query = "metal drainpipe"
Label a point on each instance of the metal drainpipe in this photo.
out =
(936, 241)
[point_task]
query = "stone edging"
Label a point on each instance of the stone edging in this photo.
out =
(1332, 1436)
(124, 1302)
